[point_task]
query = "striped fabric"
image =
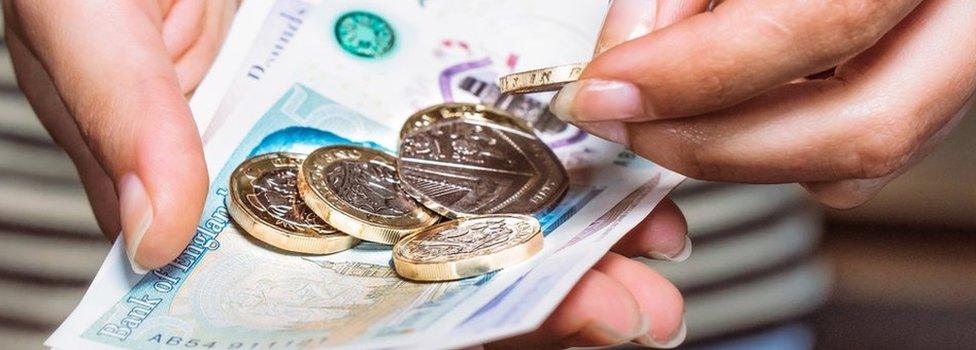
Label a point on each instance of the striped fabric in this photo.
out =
(50, 246)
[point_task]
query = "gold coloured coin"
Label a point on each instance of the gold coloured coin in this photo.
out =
(467, 247)
(457, 110)
(537, 80)
(356, 190)
(462, 159)
(264, 201)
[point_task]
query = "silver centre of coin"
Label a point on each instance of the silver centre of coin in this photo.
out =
(368, 186)
(470, 166)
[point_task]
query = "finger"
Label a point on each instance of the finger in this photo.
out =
(656, 297)
(853, 192)
(626, 20)
(123, 93)
(598, 311)
(717, 59)
(629, 19)
(40, 92)
(196, 59)
(845, 194)
(864, 123)
(183, 24)
(672, 11)
(662, 235)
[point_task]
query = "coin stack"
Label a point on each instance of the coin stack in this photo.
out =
(455, 202)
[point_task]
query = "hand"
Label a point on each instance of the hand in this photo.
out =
(107, 79)
(723, 96)
(619, 299)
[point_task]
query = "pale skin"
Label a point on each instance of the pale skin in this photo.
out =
(718, 95)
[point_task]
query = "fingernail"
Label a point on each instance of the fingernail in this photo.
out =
(680, 256)
(136, 212)
(594, 100)
(670, 343)
(610, 131)
(611, 335)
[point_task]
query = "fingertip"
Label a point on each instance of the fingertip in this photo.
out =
(598, 311)
(136, 215)
(597, 100)
(845, 194)
(672, 216)
(170, 163)
(656, 296)
(670, 342)
(685, 252)
(175, 219)
(178, 202)
(597, 333)
(663, 235)
(612, 131)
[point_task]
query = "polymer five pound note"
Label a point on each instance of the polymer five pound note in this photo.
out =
(227, 290)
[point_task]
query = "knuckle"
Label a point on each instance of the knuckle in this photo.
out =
(715, 81)
(96, 127)
(848, 26)
(692, 167)
(859, 23)
(684, 151)
(883, 148)
(774, 25)
(695, 162)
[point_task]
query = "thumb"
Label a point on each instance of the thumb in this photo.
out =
(626, 20)
(117, 81)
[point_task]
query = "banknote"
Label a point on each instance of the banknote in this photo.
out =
(273, 297)
(229, 291)
(261, 32)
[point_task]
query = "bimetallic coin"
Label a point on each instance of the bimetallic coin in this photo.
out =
(356, 190)
(537, 80)
(467, 247)
(466, 160)
(264, 201)
(430, 115)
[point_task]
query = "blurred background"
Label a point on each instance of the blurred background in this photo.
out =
(770, 269)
